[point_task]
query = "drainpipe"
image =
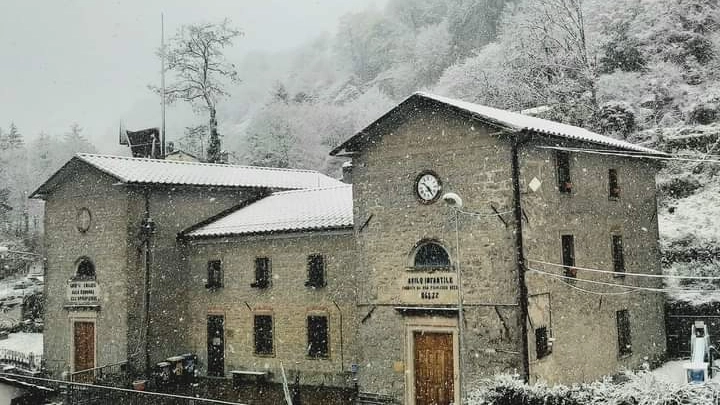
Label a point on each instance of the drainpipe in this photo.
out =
(147, 227)
(520, 258)
(342, 351)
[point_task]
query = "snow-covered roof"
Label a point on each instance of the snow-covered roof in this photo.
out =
(172, 172)
(514, 122)
(286, 211)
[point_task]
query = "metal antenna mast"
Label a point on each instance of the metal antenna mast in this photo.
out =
(162, 84)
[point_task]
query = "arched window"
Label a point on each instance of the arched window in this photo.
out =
(431, 255)
(85, 269)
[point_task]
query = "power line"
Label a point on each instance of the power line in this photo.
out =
(632, 287)
(480, 214)
(628, 154)
(601, 293)
(616, 273)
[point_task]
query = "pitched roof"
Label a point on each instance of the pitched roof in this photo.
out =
(512, 121)
(286, 211)
(173, 172)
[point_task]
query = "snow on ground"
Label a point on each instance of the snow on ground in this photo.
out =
(674, 372)
(24, 342)
(695, 215)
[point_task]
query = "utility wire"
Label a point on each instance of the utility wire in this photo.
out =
(601, 293)
(628, 154)
(480, 214)
(628, 274)
(633, 287)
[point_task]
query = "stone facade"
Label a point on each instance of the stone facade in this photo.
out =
(473, 159)
(381, 306)
(287, 300)
(113, 244)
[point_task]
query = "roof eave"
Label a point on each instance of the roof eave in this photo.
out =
(262, 233)
(53, 181)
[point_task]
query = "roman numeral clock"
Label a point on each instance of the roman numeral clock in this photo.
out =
(428, 187)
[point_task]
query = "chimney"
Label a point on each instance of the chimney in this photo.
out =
(347, 172)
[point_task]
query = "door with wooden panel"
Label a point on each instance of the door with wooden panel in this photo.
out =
(84, 347)
(434, 368)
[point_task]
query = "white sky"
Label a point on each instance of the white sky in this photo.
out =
(90, 61)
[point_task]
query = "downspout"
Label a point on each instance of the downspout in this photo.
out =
(342, 351)
(520, 258)
(146, 231)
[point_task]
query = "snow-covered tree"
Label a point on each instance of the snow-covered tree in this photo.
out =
(196, 58)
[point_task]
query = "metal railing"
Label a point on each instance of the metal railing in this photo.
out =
(25, 361)
(76, 393)
(115, 374)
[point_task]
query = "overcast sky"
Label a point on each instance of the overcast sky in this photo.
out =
(88, 61)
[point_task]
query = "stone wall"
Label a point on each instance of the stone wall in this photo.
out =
(104, 243)
(474, 161)
(583, 324)
(173, 209)
(476, 166)
(288, 300)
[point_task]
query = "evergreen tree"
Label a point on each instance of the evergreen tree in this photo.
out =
(14, 138)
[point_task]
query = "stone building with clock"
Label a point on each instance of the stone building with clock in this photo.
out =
(452, 205)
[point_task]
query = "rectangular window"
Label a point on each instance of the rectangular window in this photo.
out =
(316, 271)
(317, 329)
(563, 171)
(568, 255)
(214, 277)
(262, 273)
(618, 257)
(542, 347)
(613, 187)
(623, 331)
(263, 334)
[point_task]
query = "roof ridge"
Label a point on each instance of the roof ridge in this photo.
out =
(179, 162)
(600, 138)
(305, 190)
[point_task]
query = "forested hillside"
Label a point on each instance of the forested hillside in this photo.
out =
(23, 167)
(644, 70)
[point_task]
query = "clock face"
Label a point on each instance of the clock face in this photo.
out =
(83, 219)
(428, 187)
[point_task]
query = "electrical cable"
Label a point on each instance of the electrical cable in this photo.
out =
(479, 214)
(669, 276)
(628, 154)
(633, 287)
(601, 293)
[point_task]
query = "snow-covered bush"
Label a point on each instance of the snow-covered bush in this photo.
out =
(616, 117)
(704, 112)
(642, 388)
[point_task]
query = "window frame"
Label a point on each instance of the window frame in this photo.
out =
(214, 283)
(86, 277)
(267, 340)
(618, 255)
(318, 354)
(613, 185)
(622, 318)
(316, 278)
(562, 168)
(543, 347)
(262, 282)
(567, 251)
(431, 267)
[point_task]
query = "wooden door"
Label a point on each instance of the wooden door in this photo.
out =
(84, 342)
(434, 369)
(216, 345)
